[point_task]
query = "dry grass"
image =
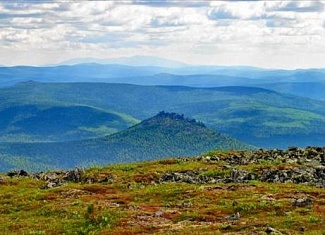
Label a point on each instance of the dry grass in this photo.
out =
(136, 204)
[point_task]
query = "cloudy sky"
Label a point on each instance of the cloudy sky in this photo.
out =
(276, 34)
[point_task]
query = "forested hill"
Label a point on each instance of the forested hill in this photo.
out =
(165, 135)
(254, 115)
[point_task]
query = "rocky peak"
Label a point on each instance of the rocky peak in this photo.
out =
(176, 116)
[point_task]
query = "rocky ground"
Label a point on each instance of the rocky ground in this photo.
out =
(299, 166)
(236, 192)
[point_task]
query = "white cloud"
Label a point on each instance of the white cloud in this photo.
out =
(237, 10)
(225, 32)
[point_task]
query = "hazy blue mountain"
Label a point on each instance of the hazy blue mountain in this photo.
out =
(76, 73)
(165, 135)
(130, 61)
(195, 80)
(196, 76)
(272, 75)
(254, 115)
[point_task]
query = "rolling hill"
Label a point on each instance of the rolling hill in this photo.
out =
(58, 122)
(254, 115)
(313, 90)
(164, 135)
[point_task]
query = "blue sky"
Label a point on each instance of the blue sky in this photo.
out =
(276, 34)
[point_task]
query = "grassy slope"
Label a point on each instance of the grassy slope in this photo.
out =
(154, 138)
(133, 204)
(254, 115)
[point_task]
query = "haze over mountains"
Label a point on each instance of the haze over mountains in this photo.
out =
(129, 61)
(142, 70)
(57, 111)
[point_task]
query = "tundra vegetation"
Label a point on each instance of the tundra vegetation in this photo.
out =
(221, 192)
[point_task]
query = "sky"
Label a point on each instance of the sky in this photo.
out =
(269, 34)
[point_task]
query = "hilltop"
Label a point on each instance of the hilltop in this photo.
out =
(164, 135)
(221, 192)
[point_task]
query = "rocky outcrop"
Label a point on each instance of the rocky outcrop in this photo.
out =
(58, 178)
(311, 156)
(53, 178)
(307, 166)
(302, 175)
(294, 165)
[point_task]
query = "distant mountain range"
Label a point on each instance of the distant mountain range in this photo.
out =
(164, 135)
(157, 71)
(257, 116)
(130, 61)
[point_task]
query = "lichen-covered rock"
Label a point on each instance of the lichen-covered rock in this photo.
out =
(302, 202)
(58, 178)
(21, 173)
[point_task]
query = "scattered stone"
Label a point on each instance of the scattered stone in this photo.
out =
(302, 202)
(73, 193)
(74, 175)
(12, 173)
(292, 149)
(89, 180)
(159, 214)
(51, 185)
(58, 178)
(108, 180)
(234, 216)
(185, 205)
(129, 186)
(238, 176)
(21, 173)
(272, 231)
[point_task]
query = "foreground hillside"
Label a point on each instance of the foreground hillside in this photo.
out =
(237, 192)
(164, 135)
